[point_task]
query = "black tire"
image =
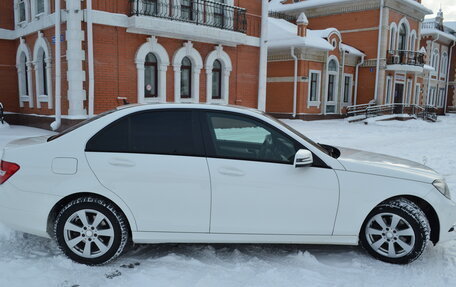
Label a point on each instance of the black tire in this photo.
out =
(402, 244)
(113, 229)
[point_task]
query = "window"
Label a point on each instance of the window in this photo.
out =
(333, 76)
(347, 89)
(152, 132)
(22, 11)
(217, 80)
(150, 76)
(431, 97)
(219, 14)
(402, 40)
(39, 6)
(241, 138)
(389, 85)
(333, 67)
(331, 88)
(441, 99)
(435, 60)
(443, 65)
(42, 74)
(392, 45)
(186, 78)
(314, 92)
(187, 9)
(417, 94)
(150, 7)
(409, 92)
(413, 41)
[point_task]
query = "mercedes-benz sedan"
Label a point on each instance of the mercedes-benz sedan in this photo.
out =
(189, 173)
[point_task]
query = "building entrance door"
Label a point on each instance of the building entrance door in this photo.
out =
(398, 98)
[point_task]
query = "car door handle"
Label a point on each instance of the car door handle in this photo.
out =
(231, 171)
(121, 162)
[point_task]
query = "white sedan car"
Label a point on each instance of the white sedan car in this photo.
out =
(185, 173)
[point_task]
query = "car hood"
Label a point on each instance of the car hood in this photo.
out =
(385, 165)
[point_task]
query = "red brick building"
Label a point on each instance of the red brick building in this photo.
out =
(393, 67)
(142, 51)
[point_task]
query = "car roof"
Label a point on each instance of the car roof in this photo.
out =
(190, 106)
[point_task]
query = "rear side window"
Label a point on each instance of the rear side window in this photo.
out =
(153, 132)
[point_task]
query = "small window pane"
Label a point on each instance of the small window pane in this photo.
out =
(151, 76)
(186, 73)
(238, 137)
(331, 88)
(347, 89)
(217, 80)
(39, 6)
(333, 66)
(44, 74)
(313, 86)
(22, 11)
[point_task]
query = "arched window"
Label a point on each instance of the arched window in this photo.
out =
(217, 80)
(435, 60)
(443, 64)
(151, 76)
(393, 32)
(186, 78)
(413, 41)
(333, 66)
(402, 40)
(24, 74)
(41, 75)
(43, 72)
(23, 78)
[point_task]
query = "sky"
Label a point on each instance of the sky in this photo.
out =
(448, 7)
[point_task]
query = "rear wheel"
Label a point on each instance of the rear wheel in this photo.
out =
(396, 232)
(91, 231)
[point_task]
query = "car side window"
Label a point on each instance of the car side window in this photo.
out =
(239, 137)
(174, 132)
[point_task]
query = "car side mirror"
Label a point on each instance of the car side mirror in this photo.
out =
(303, 158)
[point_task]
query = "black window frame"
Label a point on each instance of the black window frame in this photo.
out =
(196, 133)
(347, 89)
(210, 149)
(217, 72)
(154, 66)
(189, 69)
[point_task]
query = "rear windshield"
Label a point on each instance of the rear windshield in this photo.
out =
(83, 123)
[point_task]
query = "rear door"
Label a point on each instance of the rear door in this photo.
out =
(154, 161)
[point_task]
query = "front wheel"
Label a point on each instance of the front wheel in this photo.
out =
(91, 231)
(395, 232)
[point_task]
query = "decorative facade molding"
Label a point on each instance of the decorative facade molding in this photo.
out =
(227, 67)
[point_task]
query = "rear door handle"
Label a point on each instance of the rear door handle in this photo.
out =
(231, 171)
(121, 162)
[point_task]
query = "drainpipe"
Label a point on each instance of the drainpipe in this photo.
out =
(295, 83)
(429, 77)
(380, 30)
(355, 101)
(90, 58)
(447, 85)
(263, 56)
(342, 82)
(58, 70)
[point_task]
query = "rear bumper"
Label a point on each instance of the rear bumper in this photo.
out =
(446, 211)
(25, 211)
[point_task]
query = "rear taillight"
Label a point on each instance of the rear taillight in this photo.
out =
(7, 169)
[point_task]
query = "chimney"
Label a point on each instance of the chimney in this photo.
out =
(302, 23)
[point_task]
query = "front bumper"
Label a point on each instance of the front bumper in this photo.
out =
(446, 212)
(25, 211)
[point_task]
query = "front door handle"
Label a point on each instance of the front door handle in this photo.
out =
(230, 171)
(121, 162)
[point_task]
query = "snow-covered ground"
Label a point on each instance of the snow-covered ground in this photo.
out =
(31, 261)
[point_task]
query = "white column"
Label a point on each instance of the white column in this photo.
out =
(208, 85)
(226, 86)
(162, 69)
(75, 56)
(36, 67)
(50, 101)
(196, 85)
(141, 70)
(177, 83)
(30, 84)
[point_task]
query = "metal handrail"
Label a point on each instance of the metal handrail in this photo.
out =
(199, 12)
(405, 57)
(369, 110)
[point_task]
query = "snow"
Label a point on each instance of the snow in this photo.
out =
(27, 260)
(277, 6)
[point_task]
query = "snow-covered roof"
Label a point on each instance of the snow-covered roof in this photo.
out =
(451, 25)
(427, 30)
(276, 5)
(283, 34)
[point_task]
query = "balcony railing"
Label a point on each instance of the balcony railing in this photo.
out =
(432, 25)
(401, 57)
(199, 12)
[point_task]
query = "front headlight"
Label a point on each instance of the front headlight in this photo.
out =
(442, 186)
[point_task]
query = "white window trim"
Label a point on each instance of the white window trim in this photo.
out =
(16, 13)
(23, 98)
(318, 101)
(350, 95)
(407, 31)
(336, 84)
(408, 92)
(443, 64)
(152, 46)
(227, 67)
(41, 44)
(197, 64)
(417, 94)
(35, 14)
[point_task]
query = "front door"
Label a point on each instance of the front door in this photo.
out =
(154, 162)
(255, 187)
(398, 98)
